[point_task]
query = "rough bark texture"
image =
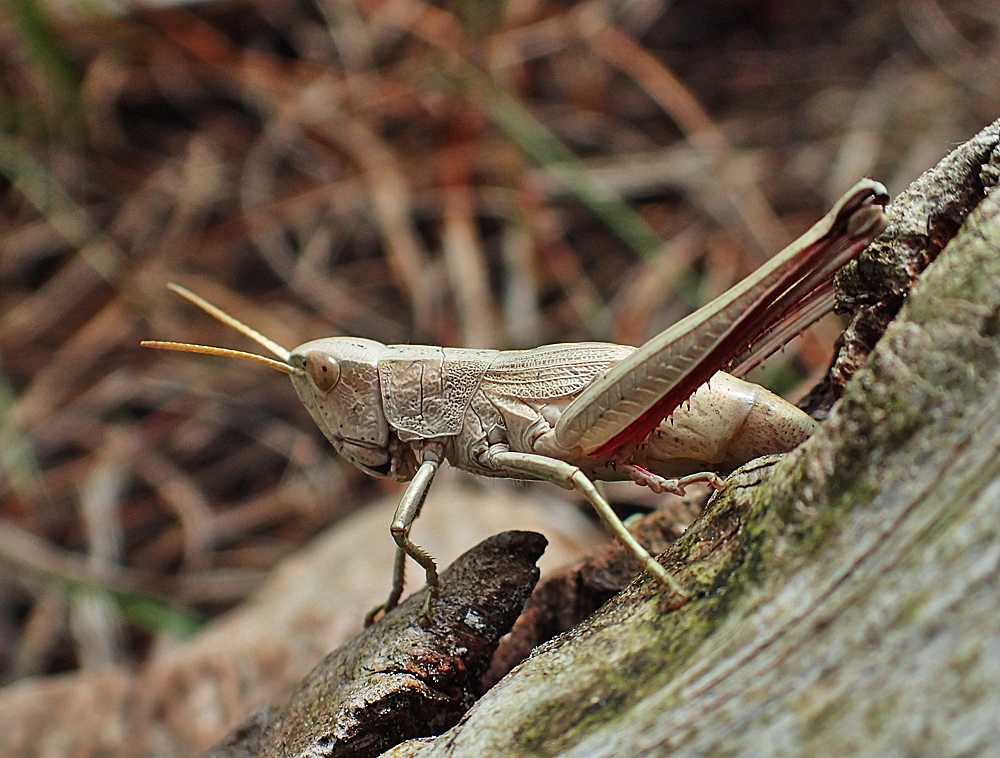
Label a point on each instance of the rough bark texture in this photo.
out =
(847, 597)
(399, 680)
(923, 219)
(564, 599)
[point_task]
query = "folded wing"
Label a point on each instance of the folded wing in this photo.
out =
(636, 394)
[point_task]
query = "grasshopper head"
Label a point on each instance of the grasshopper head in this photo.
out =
(336, 378)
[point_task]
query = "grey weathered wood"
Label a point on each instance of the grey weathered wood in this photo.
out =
(847, 596)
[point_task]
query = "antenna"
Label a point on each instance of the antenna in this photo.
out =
(185, 347)
(228, 320)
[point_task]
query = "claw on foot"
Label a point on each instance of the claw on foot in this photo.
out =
(424, 619)
(710, 477)
(375, 614)
(678, 596)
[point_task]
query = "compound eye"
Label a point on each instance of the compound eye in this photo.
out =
(323, 369)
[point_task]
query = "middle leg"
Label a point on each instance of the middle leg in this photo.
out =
(533, 466)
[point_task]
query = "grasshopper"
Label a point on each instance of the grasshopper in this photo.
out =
(662, 415)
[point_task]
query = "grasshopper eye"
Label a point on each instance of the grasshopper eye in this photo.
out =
(324, 370)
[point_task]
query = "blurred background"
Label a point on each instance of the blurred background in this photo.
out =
(463, 173)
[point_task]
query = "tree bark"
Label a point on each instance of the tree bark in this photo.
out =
(846, 598)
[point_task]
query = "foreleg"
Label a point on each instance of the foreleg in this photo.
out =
(407, 511)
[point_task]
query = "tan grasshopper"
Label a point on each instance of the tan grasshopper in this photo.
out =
(662, 415)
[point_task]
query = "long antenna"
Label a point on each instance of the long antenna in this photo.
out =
(184, 347)
(228, 320)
